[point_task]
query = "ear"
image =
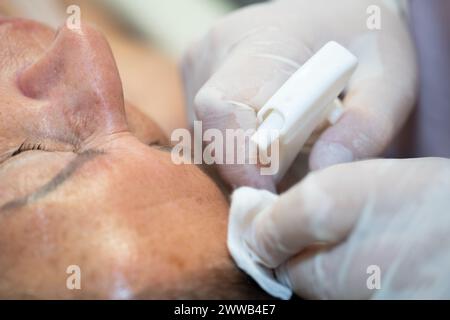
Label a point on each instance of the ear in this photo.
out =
(78, 81)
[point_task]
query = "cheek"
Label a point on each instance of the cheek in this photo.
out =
(17, 116)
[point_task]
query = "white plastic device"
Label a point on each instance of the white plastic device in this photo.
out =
(303, 102)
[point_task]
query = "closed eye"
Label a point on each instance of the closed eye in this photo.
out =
(48, 145)
(28, 147)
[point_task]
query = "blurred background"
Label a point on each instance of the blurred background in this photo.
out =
(170, 24)
(147, 38)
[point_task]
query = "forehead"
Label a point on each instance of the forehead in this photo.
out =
(129, 211)
(22, 42)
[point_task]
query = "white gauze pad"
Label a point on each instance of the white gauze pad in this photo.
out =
(246, 204)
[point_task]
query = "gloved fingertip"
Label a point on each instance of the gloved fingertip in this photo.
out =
(208, 98)
(325, 154)
(261, 183)
(247, 176)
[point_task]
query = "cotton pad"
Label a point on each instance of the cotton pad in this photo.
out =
(246, 204)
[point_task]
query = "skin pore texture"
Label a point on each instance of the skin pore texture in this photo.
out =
(81, 183)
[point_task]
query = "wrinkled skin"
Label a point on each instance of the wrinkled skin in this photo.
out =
(96, 194)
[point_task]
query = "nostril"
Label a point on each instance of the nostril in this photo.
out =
(27, 86)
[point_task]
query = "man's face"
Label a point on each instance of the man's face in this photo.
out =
(78, 188)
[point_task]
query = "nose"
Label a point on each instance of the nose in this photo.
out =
(5, 19)
(17, 22)
(78, 78)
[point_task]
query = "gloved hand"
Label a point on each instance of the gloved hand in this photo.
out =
(248, 55)
(328, 234)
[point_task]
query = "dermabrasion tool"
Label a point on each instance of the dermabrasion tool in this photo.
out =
(306, 99)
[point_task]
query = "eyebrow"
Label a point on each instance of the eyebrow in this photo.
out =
(164, 148)
(60, 178)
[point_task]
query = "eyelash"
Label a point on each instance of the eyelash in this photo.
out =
(28, 147)
(39, 146)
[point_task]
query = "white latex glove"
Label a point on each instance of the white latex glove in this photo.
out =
(393, 214)
(248, 55)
